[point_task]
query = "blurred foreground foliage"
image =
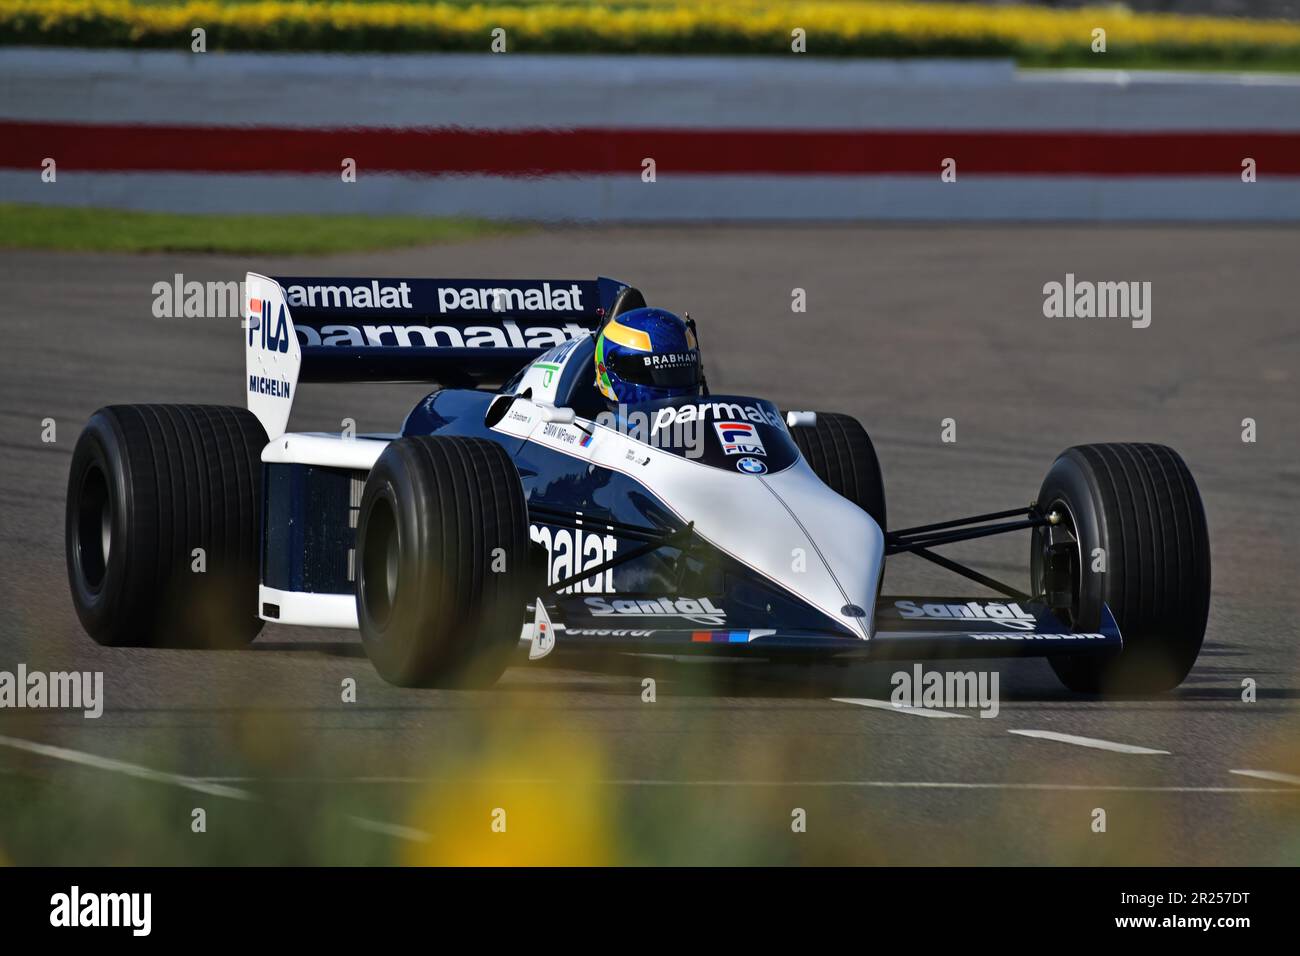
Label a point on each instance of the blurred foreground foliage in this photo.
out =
(1031, 35)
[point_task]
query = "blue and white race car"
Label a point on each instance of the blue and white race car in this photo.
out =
(573, 483)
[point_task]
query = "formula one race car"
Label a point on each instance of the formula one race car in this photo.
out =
(519, 509)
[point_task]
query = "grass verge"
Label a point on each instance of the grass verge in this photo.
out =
(25, 226)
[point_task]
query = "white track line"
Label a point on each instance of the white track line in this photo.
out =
(129, 769)
(391, 829)
(889, 705)
(1092, 742)
(852, 784)
(198, 785)
(1273, 775)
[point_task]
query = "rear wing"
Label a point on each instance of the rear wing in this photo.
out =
(466, 333)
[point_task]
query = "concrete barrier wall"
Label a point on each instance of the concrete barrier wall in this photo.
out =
(565, 138)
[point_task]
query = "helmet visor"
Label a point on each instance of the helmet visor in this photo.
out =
(667, 370)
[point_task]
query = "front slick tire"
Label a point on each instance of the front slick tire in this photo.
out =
(442, 581)
(1139, 505)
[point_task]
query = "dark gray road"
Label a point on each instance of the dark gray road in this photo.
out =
(905, 327)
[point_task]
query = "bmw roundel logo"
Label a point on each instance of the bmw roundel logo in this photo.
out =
(751, 466)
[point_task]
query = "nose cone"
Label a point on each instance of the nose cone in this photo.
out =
(777, 519)
(790, 527)
(845, 542)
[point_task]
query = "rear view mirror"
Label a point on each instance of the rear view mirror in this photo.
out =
(558, 415)
(800, 419)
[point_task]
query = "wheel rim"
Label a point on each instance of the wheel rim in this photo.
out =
(1074, 571)
(94, 527)
(380, 562)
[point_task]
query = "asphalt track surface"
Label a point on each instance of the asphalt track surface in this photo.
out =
(905, 327)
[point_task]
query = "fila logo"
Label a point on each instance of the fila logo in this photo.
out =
(739, 438)
(274, 334)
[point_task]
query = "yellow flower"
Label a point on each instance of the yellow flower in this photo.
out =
(844, 27)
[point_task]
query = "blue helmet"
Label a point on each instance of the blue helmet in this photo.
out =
(647, 354)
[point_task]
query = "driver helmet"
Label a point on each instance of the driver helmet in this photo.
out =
(647, 354)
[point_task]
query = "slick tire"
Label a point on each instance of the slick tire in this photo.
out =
(149, 486)
(1143, 550)
(444, 562)
(840, 453)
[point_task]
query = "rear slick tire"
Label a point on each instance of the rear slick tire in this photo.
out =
(161, 527)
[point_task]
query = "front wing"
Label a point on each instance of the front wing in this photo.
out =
(904, 628)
